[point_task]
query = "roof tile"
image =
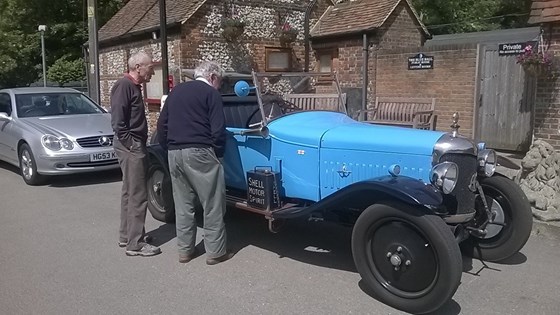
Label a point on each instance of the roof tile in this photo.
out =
(353, 16)
(544, 11)
(142, 15)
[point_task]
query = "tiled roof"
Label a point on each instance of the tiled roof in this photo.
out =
(357, 15)
(544, 11)
(141, 15)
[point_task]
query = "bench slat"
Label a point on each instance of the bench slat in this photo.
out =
(414, 112)
(318, 101)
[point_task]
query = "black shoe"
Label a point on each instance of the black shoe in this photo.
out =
(146, 250)
(217, 260)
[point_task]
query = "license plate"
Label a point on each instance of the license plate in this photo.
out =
(95, 157)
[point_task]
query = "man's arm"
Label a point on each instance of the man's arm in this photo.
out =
(217, 123)
(162, 124)
(120, 113)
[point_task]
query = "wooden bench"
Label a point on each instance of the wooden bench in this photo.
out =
(398, 111)
(318, 101)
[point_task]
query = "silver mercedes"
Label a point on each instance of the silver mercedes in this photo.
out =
(54, 131)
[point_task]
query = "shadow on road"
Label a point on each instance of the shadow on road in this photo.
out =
(73, 180)
(163, 234)
(449, 308)
(84, 179)
(9, 167)
(321, 244)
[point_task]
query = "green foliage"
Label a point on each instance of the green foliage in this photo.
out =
(66, 70)
(20, 47)
(457, 16)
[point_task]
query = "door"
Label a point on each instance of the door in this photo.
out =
(8, 140)
(505, 105)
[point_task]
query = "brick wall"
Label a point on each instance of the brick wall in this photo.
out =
(401, 30)
(547, 105)
(202, 38)
(452, 81)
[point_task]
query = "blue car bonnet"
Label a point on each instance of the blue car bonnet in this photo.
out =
(369, 137)
(306, 128)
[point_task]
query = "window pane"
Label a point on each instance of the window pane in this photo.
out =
(325, 62)
(278, 60)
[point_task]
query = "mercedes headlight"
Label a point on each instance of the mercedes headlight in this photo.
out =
(444, 176)
(56, 144)
(487, 161)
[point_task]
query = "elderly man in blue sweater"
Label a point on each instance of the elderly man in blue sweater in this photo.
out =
(192, 128)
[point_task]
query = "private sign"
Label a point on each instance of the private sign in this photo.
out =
(514, 48)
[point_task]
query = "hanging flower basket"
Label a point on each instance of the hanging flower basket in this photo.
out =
(534, 70)
(536, 62)
(233, 28)
(288, 37)
(287, 34)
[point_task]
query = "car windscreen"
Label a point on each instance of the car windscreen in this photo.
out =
(54, 104)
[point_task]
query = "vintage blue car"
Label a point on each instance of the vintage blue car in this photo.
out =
(412, 196)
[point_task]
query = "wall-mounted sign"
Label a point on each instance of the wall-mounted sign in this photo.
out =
(514, 48)
(420, 62)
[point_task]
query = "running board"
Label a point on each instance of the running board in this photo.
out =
(241, 203)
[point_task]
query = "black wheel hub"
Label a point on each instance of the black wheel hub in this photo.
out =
(402, 260)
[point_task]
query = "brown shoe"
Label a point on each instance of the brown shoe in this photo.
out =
(185, 258)
(217, 260)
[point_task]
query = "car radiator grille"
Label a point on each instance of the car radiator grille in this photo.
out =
(461, 200)
(93, 142)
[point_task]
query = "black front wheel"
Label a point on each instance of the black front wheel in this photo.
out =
(160, 194)
(511, 225)
(409, 259)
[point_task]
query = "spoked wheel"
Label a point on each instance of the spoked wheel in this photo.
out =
(512, 224)
(409, 259)
(160, 194)
(28, 166)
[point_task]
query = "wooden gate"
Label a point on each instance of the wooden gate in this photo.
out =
(505, 105)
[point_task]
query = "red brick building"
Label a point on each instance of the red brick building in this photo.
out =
(345, 37)
(195, 33)
(546, 13)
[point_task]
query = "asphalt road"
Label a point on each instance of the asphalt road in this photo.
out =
(58, 255)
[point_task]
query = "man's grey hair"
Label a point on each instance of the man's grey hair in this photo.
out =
(207, 68)
(138, 58)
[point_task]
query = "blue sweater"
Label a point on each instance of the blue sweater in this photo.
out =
(193, 117)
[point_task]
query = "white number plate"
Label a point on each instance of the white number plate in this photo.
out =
(94, 157)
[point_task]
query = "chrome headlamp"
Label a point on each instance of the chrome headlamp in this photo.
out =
(56, 144)
(487, 161)
(444, 176)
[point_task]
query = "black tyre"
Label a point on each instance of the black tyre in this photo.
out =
(28, 167)
(512, 215)
(160, 194)
(409, 259)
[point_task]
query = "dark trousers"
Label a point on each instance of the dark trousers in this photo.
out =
(134, 195)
